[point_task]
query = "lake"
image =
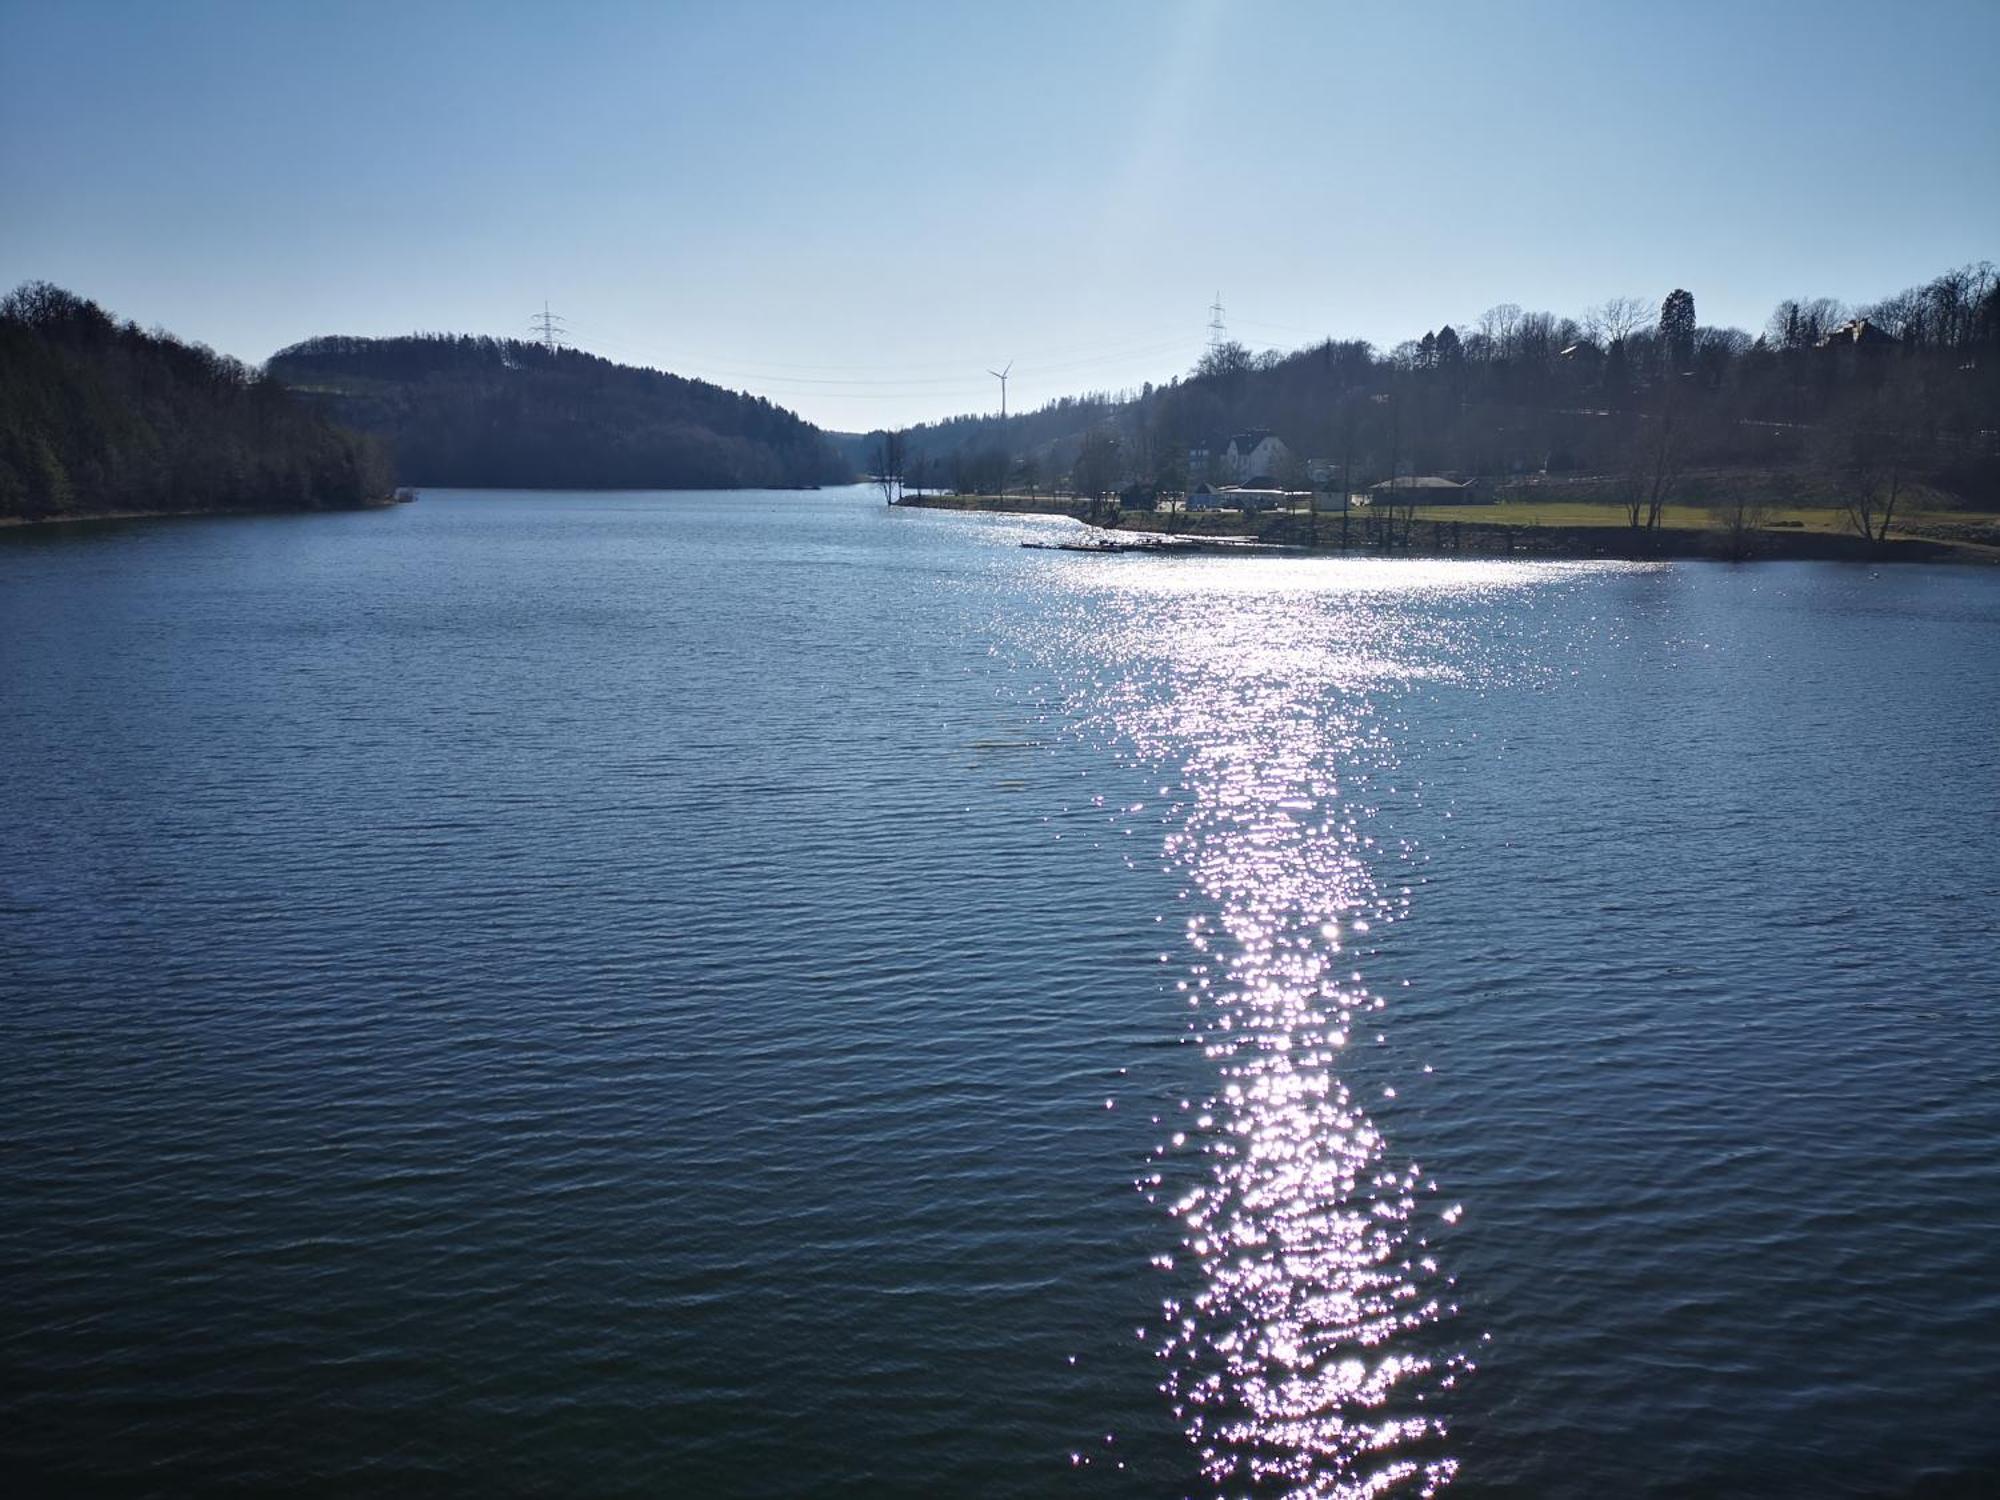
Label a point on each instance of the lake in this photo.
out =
(758, 994)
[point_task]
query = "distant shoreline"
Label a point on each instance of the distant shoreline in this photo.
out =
(1434, 536)
(85, 517)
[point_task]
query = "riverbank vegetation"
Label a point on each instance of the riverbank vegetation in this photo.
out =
(1866, 415)
(99, 417)
(474, 412)
(1739, 530)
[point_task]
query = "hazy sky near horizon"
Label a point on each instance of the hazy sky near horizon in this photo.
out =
(854, 209)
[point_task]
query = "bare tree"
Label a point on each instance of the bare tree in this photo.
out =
(1870, 457)
(1616, 318)
(1739, 519)
(889, 463)
(1635, 484)
(1657, 462)
(1950, 300)
(1500, 324)
(1903, 316)
(1223, 362)
(1872, 482)
(1798, 324)
(1536, 337)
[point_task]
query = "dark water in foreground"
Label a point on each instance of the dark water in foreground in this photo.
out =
(755, 995)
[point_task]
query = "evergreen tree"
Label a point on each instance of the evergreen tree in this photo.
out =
(1677, 329)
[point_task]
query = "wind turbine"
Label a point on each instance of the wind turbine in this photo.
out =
(1001, 376)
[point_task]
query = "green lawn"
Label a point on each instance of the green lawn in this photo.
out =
(1687, 517)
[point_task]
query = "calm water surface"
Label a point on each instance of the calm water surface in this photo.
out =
(762, 994)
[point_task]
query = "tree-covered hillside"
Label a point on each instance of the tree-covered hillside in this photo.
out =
(498, 413)
(98, 416)
(1634, 392)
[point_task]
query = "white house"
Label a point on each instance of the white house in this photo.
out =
(1257, 456)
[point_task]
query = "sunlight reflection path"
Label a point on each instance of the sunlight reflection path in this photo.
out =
(1311, 1334)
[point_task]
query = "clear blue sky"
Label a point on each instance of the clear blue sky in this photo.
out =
(854, 208)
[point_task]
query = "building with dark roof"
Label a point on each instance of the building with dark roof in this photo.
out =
(1858, 333)
(1426, 489)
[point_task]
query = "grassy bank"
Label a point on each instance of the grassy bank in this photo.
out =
(1554, 529)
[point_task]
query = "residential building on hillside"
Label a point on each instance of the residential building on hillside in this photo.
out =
(1858, 333)
(1254, 457)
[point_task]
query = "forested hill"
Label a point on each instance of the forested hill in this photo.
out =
(502, 413)
(98, 416)
(1826, 396)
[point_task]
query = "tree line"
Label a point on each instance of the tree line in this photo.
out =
(474, 412)
(1638, 397)
(101, 416)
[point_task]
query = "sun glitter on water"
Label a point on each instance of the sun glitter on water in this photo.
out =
(1310, 1338)
(1305, 1359)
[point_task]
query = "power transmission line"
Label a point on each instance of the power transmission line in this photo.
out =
(1217, 333)
(549, 328)
(690, 363)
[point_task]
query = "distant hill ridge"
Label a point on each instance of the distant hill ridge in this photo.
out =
(477, 412)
